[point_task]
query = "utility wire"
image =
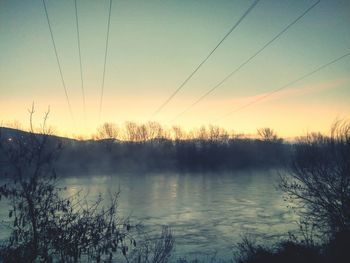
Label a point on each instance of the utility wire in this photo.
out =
(58, 61)
(247, 61)
(286, 85)
(105, 59)
(206, 58)
(80, 63)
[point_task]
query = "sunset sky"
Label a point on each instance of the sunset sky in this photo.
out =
(155, 45)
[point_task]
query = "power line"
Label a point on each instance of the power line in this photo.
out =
(105, 59)
(286, 85)
(248, 60)
(206, 58)
(80, 63)
(58, 61)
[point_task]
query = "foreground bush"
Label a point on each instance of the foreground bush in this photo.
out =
(335, 250)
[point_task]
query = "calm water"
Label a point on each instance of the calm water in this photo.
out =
(208, 213)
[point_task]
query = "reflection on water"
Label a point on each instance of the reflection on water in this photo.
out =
(207, 212)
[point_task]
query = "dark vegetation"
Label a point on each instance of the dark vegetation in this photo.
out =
(166, 155)
(291, 251)
(151, 148)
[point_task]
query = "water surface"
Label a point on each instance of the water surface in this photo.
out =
(208, 213)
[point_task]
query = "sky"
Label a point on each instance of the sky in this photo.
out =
(155, 45)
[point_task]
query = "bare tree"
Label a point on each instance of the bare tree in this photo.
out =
(319, 184)
(108, 131)
(155, 130)
(217, 134)
(178, 133)
(202, 133)
(131, 131)
(267, 134)
(142, 133)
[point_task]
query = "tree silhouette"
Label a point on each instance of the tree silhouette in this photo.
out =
(319, 184)
(267, 134)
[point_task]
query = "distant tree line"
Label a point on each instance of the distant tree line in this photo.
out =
(141, 132)
(150, 147)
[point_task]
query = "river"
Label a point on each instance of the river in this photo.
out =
(208, 213)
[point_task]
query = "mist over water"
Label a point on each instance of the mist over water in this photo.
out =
(207, 212)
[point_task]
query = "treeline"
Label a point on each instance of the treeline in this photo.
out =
(150, 147)
(141, 132)
(160, 155)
